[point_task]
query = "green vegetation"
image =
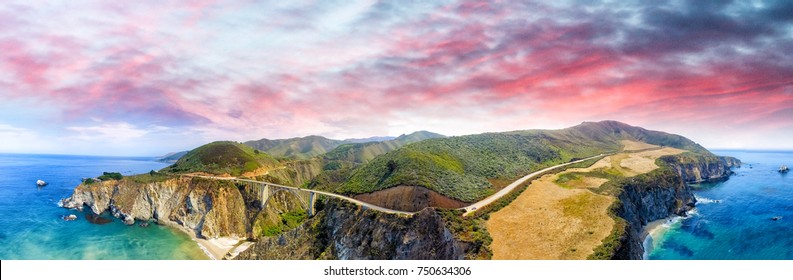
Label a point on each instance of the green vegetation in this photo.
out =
(566, 179)
(610, 187)
(151, 177)
(221, 158)
(333, 165)
(689, 158)
(472, 230)
(613, 131)
(295, 148)
(110, 176)
(463, 167)
(288, 221)
(364, 152)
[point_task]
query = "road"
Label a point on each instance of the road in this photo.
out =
(470, 209)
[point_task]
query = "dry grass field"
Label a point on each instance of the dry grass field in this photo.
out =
(566, 221)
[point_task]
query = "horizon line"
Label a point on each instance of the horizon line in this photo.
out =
(787, 150)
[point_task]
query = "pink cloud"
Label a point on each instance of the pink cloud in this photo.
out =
(462, 67)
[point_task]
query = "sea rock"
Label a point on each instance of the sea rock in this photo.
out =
(96, 219)
(70, 217)
(41, 183)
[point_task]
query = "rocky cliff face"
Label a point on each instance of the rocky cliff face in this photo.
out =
(212, 209)
(664, 192)
(345, 231)
(209, 208)
(699, 168)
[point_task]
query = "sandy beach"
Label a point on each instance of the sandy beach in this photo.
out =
(654, 230)
(214, 248)
(653, 227)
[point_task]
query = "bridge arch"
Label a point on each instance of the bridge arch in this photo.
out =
(266, 191)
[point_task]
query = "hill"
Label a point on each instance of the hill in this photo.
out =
(466, 167)
(356, 150)
(612, 131)
(363, 152)
(222, 157)
(369, 139)
(297, 148)
(171, 157)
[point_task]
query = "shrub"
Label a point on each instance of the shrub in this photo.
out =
(110, 176)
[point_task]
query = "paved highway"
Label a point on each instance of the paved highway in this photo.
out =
(470, 209)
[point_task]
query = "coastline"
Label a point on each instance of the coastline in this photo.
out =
(215, 248)
(656, 229)
(652, 231)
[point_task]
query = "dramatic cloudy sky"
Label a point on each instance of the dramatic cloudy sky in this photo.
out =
(149, 77)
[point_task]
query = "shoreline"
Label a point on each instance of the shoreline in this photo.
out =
(650, 230)
(215, 248)
(654, 230)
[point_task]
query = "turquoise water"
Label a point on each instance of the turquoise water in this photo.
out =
(733, 219)
(30, 219)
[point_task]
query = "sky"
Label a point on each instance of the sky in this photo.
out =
(151, 77)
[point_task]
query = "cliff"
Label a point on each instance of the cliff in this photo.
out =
(695, 168)
(662, 193)
(210, 208)
(345, 231)
(213, 208)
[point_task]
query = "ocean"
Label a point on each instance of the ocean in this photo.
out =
(733, 219)
(30, 218)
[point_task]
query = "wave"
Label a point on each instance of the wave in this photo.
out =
(649, 240)
(703, 200)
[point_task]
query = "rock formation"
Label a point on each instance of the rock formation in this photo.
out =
(345, 231)
(664, 192)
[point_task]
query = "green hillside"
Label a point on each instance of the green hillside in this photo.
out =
(220, 158)
(463, 167)
(363, 152)
(353, 150)
(611, 131)
(296, 148)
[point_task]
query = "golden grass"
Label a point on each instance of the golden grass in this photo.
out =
(538, 225)
(548, 221)
(629, 145)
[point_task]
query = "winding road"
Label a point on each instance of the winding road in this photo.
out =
(468, 209)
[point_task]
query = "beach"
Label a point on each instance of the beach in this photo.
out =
(655, 230)
(214, 248)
